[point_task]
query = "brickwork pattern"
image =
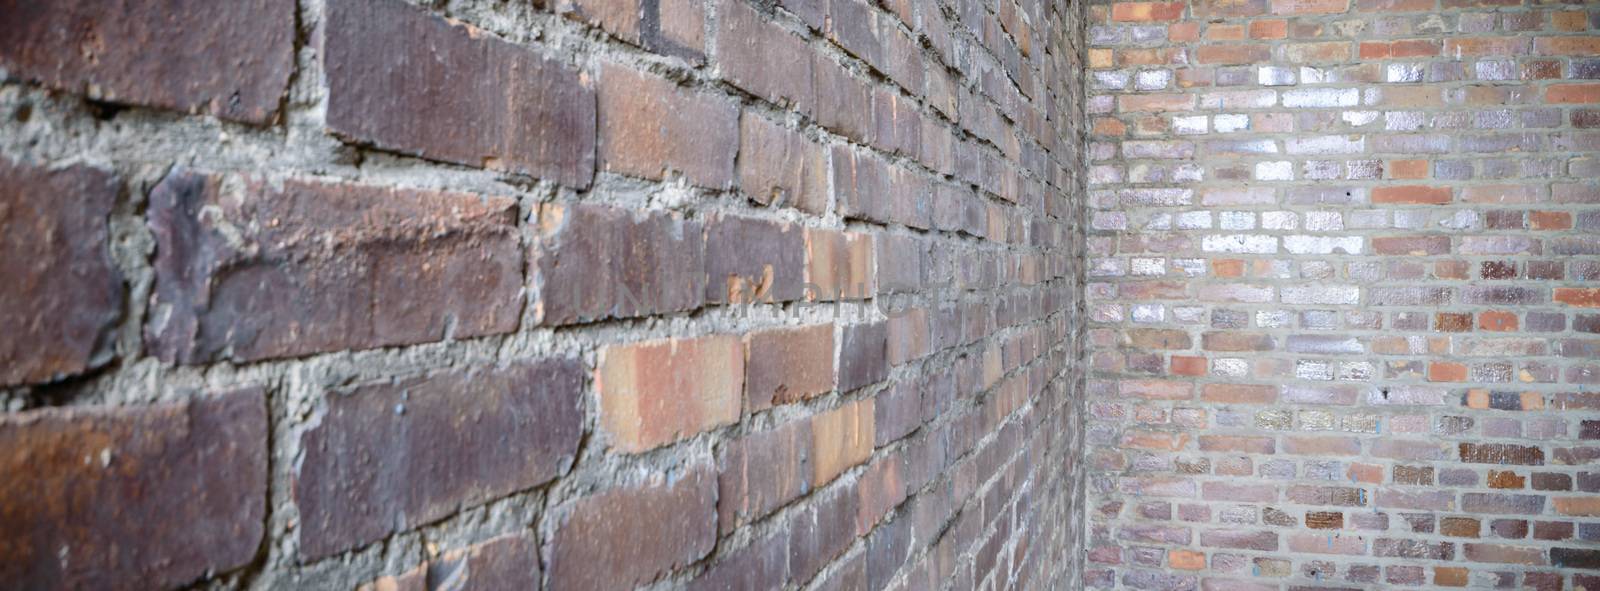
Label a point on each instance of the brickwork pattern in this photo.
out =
(575, 294)
(1343, 295)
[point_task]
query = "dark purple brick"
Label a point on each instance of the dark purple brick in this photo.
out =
(863, 355)
(403, 80)
(597, 262)
(637, 533)
(228, 59)
(264, 271)
(393, 456)
(61, 292)
(150, 496)
(751, 260)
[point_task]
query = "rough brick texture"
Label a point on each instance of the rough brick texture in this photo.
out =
(583, 294)
(1340, 278)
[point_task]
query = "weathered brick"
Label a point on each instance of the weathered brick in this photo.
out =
(650, 128)
(389, 456)
(597, 262)
(403, 80)
(839, 265)
(657, 392)
(863, 355)
(151, 496)
(235, 258)
(62, 291)
(670, 27)
(761, 472)
(751, 260)
(785, 365)
(139, 54)
(778, 166)
(604, 529)
(1501, 453)
(841, 439)
(510, 561)
(762, 58)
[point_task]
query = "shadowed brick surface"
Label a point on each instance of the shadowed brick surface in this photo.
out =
(593, 294)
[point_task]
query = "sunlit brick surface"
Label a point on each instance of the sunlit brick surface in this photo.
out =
(1344, 310)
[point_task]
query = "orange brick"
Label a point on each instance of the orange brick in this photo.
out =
(1411, 195)
(1110, 127)
(1184, 365)
(1414, 48)
(1100, 58)
(1450, 576)
(1550, 220)
(1147, 11)
(1221, 32)
(1186, 559)
(841, 439)
(1578, 296)
(657, 392)
(1447, 372)
(1369, 473)
(1572, 93)
(1183, 32)
(1310, 6)
(1227, 267)
(1155, 440)
(1408, 169)
(1498, 321)
(1570, 20)
(839, 265)
(1269, 29)
(1584, 506)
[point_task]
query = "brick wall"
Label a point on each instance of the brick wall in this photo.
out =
(1344, 299)
(573, 293)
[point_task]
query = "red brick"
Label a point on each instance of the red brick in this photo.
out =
(1233, 54)
(752, 260)
(780, 167)
(760, 472)
(650, 128)
(1411, 195)
(596, 262)
(139, 54)
(388, 266)
(1188, 366)
(657, 392)
(480, 102)
(1569, 46)
(1572, 94)
(161, 494)
(1158, 339)
(605, 529)
(762, 58)
(1236, 341)
(506, 562)
(390, 456)
(1497, 321)
(1321, 446)
(1411, 245)
(676, 29)
(821, 533)
(840, 100)
(1584, 506)
(1580, 297)
(787, 365)
(1237, 443)
(1239, 393)
(881, 489)
(62, 291)
(841, 439)
(1147, 11)
(1269, 29)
